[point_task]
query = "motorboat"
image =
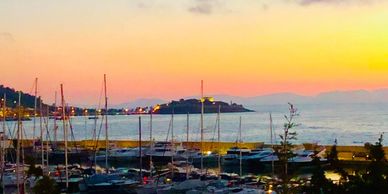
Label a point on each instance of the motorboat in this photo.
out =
(234, 154)
(164, 152)
(127, 154)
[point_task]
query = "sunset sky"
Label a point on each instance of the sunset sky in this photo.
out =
(163, 48)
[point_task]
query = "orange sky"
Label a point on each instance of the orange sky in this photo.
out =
(162, 49)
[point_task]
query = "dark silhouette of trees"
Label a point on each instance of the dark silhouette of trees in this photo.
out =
(373, 180)
(319, 182)
(46, 186)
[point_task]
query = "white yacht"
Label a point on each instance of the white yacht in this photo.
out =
(257, 154)
(165, 152)
(125, 154)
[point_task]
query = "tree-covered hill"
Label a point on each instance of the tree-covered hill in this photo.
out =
(12, 97)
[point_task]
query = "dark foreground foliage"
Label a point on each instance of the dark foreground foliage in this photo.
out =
(46, 186)
(373, 180)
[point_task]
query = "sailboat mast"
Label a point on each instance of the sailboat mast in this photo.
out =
(187, 143)
(240, 141)
(86, 123)
(172, 136)
(271, 134)
(187, 129)
(202, 111)
(55, 118)
(18, 178)
(47, 136)
(35, 107)
(140, 154)
(22, 142)
(3, 142)
(172, 142)
(151, 144)
(219, 140)
(64, 135)
(106, 126)
(41, 131)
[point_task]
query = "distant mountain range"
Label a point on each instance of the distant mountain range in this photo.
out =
(333, 97)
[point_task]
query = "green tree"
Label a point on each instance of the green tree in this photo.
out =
(285, 153)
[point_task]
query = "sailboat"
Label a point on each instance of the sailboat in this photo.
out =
(35, 112)
(133, 153)
(19, 170)
(237, 154)
(166, 151)
(3, 140)
(107, 181)
(258, 155)
(72, 154)
(8, 175)
(208, 158)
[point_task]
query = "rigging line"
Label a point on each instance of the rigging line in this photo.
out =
(33, 87)
(11, 136)
(214, 134)
(168, 134)
(99, 131)
(72, 133)
(96, 114)
(98, 137)
(198, 131)
(9, 129)
(46, 122)
(14, 130)
(24, 131)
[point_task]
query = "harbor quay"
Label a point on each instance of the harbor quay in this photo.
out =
(345, 152)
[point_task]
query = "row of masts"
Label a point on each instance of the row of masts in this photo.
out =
(20, 151)
(42, 124)
(187, 137)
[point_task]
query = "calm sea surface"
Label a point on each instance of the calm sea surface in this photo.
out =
(352, 124)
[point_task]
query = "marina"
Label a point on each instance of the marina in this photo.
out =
(193, 97)
(159, 161)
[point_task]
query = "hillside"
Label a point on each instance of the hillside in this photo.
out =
(12, 95)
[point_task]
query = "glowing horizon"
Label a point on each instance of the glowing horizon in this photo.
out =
(159, 49)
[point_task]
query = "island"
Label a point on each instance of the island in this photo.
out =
(193, 106)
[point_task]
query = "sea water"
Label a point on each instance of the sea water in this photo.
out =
(350, 124)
